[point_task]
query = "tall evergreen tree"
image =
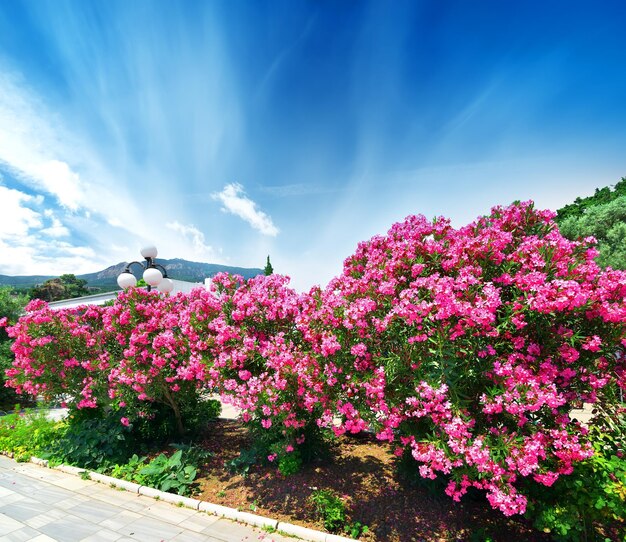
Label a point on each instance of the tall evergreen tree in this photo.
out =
(269, 270)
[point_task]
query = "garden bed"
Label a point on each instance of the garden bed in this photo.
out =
(362, 471)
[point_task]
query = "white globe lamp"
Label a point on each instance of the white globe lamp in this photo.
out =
(149, 252)
(152, 276)
(126, 280)
(166, 286)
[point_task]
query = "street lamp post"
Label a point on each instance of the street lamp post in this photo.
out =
(154, 274)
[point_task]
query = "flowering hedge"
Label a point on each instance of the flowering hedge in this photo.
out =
(59, 354)
(129, 355)
(465, 347)
(149, 354)
(469, 347)
(257, 360)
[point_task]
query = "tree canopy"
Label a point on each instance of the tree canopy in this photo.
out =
(601, 196)
(65, 287)
(602, 216)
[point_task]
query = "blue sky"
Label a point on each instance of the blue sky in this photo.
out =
(226, 131)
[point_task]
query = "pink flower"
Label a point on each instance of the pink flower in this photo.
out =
(245, 375)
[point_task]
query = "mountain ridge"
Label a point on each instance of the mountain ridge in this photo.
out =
(177, 268)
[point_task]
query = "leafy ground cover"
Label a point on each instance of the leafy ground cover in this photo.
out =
(360, 488)
(362, 493)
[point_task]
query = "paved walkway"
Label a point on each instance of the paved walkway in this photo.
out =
(45, 505)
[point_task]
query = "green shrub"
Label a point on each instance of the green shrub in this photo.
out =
(243, 462)
(129, 470)
(197, 414)
(290, 463)
(175, 473)
(168, 474)
(11, 306)
(159, 424)
(590, 504)
(28, 433)
(331, 509)
(270, 443)
(93, 439)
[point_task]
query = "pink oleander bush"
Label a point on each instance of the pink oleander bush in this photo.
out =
(150, 360)
(468, 347)
(130, 357)
(257, 360)
(60, 354)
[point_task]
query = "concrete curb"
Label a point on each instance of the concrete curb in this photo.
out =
(68, 469)
(218, 510)
(302, 532)
(172, 498)
(214, 509)
(257, 521)
(337, 538)
(122, 484)
(39, 461)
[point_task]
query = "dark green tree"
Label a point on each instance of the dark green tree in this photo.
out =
(269, 270)
(65, 287)
(601, 196)
(51, 290)
(11, 306)
(74, 287)
(602, 216)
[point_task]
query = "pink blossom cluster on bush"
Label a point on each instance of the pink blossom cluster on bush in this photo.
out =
(151, 360)
(129, 355)
(59, 352)
(256, 358)
(466, 348)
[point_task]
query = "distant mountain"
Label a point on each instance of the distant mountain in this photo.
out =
(107, 278)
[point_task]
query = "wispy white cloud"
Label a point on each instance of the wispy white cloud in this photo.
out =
(29, 144)
(235, 201)
(39, 151)
(56, 228)
(27, 247)
(17, 217)
(193, 234)
(57, 178)
(47, 256)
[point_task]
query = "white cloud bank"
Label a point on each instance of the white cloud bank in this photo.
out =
(17, 218)
(235, 201)
(196, 237)
(40, 153)
(28, 144)
(26, 246)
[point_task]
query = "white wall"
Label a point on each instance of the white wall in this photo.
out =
(101, 299)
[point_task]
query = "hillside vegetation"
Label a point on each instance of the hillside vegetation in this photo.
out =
(602, 216)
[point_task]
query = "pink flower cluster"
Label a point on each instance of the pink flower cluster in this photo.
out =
(256, 358)
(470, 346)
(465, 347)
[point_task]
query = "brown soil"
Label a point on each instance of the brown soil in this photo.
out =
(362, 471)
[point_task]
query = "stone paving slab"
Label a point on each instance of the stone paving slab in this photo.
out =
(43, 505)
